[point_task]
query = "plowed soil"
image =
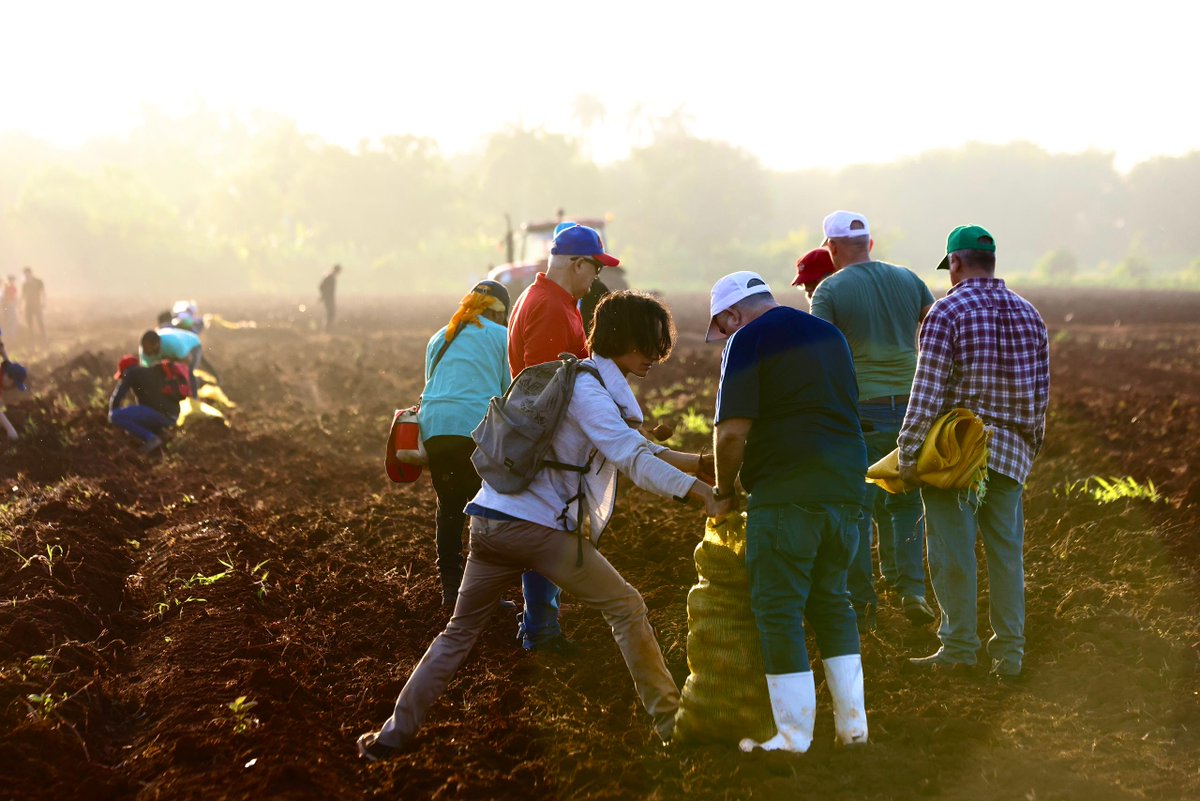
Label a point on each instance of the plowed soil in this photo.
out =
(272, 561)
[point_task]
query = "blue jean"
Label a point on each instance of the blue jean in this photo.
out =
(901, 533)
(953, 519)
(796, 557)
(539, 620)
(141, 421)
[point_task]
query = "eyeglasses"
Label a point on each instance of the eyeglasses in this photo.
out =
(594, 262)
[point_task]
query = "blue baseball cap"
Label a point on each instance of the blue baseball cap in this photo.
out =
(573, 239)
(17, 374)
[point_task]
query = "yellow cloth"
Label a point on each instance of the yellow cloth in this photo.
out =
(470, 307)
(954, 456)
(212, 392)
(191, 406)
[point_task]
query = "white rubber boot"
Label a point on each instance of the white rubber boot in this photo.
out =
(794, 707)
(844, 676)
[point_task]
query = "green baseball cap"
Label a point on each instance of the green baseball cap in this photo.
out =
(967, 237)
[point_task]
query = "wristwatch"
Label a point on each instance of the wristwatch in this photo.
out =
(718, 495)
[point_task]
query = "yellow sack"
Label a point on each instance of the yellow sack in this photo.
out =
(214, 393)
(217, 321)
(725, 696)
(954, 456)
(191, 406)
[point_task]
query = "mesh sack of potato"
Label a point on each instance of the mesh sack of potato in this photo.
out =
(725, 696)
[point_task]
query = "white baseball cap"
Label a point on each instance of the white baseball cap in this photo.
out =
(728, 291)
(840, 224)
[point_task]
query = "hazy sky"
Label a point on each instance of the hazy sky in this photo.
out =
(798, 84)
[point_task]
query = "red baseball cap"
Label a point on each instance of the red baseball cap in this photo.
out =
(813, 266)
(126, 362)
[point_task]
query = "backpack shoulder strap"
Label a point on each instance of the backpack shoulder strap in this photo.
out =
(441, 352)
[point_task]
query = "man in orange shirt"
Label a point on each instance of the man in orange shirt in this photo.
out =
(545, 322)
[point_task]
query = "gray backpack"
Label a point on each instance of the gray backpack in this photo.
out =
(515, 435)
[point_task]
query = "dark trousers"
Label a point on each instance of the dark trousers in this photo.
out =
(455, 482)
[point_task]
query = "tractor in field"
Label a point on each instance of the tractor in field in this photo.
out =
(530, 255)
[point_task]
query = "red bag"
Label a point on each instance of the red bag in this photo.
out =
(405, 435)
(178, 380)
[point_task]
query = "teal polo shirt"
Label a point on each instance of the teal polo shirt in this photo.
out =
(877, 307)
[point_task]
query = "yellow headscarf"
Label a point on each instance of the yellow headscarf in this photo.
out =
(470, 307)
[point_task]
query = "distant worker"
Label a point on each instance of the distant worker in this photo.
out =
(545, 322)
(983, 348)
(328, 290)
(811, 269)
(33, 298)
(158, 388)
(12, 376)
(173, 344)
(878, 307)
(9, 300)
(186, 314)
(787, 423)
(466, 365)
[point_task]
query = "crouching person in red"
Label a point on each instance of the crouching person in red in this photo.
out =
(158, 389)
(536, 528)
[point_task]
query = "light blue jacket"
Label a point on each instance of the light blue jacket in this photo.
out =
(473, 370)
(177, 345)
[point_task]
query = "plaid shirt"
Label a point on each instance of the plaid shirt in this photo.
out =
(983, 348)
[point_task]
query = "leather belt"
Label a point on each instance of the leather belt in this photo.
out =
(886, 400)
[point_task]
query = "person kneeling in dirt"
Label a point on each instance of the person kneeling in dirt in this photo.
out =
(532, 528)
(12, 376)
(158, 388)
(466, 365)
(787, 421)
(176, 345)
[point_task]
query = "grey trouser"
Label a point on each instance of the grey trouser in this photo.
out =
(500, 552)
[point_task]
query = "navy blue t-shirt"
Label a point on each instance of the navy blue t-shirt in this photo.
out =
(792, 374)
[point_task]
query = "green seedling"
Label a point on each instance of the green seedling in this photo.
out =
(163, 607)
(53, 552)
(42, 705)
(260, 579)
(38, 663)
(1113, 489)
(661, 409)
(201, 580)
(694, 423)
(99, 397)
(239, 714)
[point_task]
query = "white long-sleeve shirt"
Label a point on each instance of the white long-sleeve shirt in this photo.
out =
(596, 427)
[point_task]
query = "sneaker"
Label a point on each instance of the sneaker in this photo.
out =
(151, 445)
(941, 661)
(557, 644)
(867, 616)
(917, 610)
(370, 749)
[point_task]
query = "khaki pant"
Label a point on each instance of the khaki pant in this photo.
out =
(500, 552)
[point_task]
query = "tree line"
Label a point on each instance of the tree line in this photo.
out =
(210, 204)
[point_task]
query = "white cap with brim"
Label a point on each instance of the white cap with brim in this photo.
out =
(728, 291)
(841, 225)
